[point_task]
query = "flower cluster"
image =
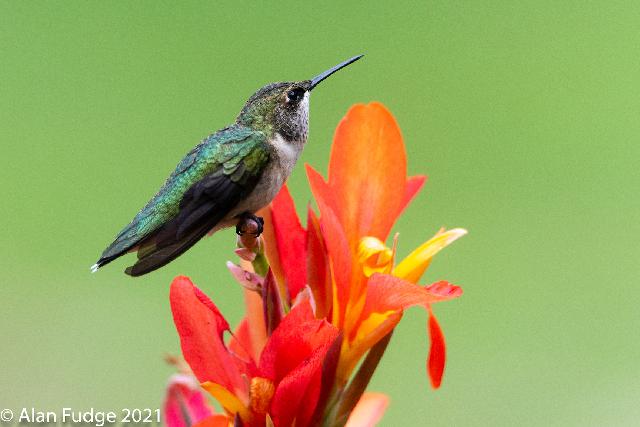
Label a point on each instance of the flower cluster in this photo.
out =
(321, 301)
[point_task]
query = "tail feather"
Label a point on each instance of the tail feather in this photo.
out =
(156, 254)
(115, 250)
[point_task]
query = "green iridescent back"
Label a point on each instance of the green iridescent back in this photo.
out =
(237, 151)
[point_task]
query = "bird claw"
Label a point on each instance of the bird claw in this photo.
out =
(250, 224)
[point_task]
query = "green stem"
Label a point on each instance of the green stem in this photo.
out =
(260, 264)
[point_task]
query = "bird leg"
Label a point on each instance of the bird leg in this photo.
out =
(249, 223)
(248, 229)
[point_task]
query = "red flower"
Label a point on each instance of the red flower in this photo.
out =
(284, 383)
(320, 300)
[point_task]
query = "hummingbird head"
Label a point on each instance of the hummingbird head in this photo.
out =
(283, 107)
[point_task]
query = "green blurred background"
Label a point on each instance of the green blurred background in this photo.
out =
(523, 114)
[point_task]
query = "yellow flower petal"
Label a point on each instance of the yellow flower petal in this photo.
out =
(413, 266)
(374, 256)
(375, 327)
(227, 400)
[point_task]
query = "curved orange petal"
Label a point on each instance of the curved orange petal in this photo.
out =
(368, 172)
(200, 326)
(387, 293)
(337, 246)
(369, 410)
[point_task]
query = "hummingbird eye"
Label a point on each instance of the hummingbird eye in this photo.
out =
(295, 95)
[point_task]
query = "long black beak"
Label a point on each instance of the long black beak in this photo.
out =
(317, 79)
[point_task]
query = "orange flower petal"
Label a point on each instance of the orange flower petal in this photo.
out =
(324, 195)
(337, 246)
(414, 184)
(218, 420)
(387, 293)
(256, 324)
(369, 410)
(318, 273)
(437, 352)
(443, 290)
(368, 172)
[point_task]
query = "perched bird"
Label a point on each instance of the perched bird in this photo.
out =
(223, 180)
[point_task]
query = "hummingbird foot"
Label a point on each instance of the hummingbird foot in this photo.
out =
(251, 224)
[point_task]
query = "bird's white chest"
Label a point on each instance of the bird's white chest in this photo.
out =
(281, 164)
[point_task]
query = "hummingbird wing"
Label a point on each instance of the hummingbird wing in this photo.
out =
(205, 186)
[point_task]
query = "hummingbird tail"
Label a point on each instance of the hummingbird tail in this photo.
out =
(160, 251)
(111, 254)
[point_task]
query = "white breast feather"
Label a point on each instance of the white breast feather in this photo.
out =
(273, 177)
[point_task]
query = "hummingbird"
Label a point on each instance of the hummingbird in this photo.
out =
(225, 179)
